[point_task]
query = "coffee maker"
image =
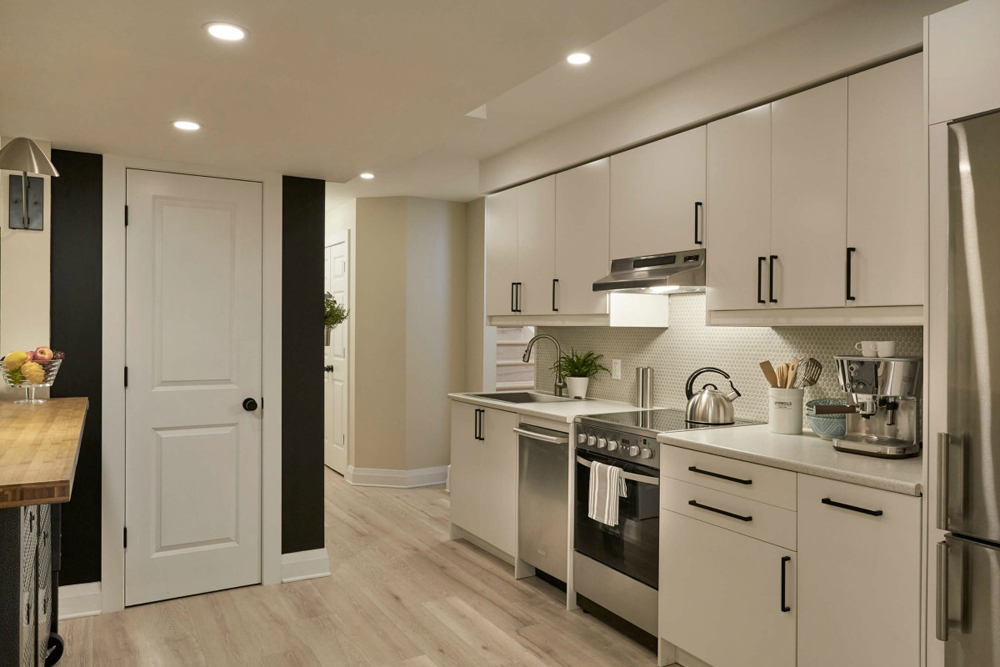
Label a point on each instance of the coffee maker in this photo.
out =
(885, 392)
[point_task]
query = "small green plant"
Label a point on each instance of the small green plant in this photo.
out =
(336, 313)
(574, 365)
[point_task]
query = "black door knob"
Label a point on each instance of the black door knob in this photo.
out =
(249, 404)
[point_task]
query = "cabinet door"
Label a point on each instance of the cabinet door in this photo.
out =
(739, 185)
(809, 197)
(536, 245)
(658, 196)
(886, 174)
(963, 60)
(501, 252)
(721, 595)
(498, 480)
(859, 576)
(466, 464)
(582, 257)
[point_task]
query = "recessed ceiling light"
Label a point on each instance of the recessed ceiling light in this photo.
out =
(367, 176)
(578, 58)
(226, 31)
(187, 125)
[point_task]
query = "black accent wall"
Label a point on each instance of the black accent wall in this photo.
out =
(303, 236)
(75, 311)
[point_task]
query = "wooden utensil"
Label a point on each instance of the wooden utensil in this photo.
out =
(792, 368)
(782, 373)
(769, 374)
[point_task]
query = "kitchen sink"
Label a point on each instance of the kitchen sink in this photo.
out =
(522, 397)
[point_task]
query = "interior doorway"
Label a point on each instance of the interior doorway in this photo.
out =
(336, 387)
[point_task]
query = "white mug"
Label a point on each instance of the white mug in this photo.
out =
(886, 348)
(868, 348)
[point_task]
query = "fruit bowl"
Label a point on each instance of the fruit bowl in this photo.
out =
(30, 374)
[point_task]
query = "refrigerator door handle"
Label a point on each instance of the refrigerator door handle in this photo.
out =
(942, 592)
(944, 441)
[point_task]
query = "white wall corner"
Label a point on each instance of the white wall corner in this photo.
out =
(79, 600)
(305, 565)
(397, 479)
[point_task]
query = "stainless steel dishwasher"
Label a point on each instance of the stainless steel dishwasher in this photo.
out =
(543, 499)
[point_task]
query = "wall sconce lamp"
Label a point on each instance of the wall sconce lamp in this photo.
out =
(25, 156)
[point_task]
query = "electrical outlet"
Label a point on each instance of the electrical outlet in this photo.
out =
(616, 369)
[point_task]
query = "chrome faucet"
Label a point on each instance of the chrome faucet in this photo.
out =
(560, 381)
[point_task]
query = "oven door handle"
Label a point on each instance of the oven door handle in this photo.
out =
(642, 479)
(541, 437)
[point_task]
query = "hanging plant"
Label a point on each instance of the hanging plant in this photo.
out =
(336, 313)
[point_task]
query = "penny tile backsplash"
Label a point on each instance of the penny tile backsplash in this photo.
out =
(689, 344)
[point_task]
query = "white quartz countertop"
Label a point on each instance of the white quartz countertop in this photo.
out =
(806, 453)
(564, 411)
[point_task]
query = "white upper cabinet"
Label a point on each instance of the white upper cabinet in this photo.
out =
(809, 197)
(739, 188)
(963, 49)
(501, 252)
(886, 172)
(582, 210)
(536, 245)
(658, 196)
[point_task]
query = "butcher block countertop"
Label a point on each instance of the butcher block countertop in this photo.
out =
(39, 447)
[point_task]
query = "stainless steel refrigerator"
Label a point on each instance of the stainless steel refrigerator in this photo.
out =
(968, 614)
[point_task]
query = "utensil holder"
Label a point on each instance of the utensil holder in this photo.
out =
(784, 410)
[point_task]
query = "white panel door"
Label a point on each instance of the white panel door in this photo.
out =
(582, 255)
(335, 393)
(963, 49)
(739, 188)
(536, 246)
(193, 349)
(498, 480)
(464, 478)
(809, 197)
(886, 178)
(658, 196)
(501, 252)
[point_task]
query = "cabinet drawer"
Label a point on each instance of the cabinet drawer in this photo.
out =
(749, 517)
(746, 480)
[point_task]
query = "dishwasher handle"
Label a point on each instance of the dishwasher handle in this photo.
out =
(542, 437)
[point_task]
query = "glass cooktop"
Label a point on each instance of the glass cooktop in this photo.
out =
(651, 422)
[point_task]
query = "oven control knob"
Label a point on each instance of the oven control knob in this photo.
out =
(601, 442)
(646, 453)
(591, 441)
(612, 445)
(633, 450)
(581, 438)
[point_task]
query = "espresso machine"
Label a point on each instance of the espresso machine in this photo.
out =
(885, 393)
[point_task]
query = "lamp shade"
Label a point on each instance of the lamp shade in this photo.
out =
(23, 154)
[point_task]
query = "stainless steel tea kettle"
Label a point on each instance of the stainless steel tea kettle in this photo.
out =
(710, 406)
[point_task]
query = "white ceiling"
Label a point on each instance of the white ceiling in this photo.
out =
(329, 89)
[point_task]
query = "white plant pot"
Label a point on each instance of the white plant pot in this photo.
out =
(577, 387)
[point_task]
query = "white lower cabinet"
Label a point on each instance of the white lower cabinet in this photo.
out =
(722, 597)
(859, 576)
(483, 474)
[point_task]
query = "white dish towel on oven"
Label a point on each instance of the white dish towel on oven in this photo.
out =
(606, 487)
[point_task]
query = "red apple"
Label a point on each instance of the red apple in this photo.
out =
(30, 355)
(43, 354)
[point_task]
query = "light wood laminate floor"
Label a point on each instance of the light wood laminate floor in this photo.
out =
(401, 594)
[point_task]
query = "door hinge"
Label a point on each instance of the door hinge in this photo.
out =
(125, 537)
(126, 215)
(126, 376)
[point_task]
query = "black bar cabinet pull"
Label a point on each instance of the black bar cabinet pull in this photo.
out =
(517, 309)
(695, 503)
(770, 280)
(760, 276)
(850, 251)
(720, 475)
(697, 215)
(513, 303)
(784, 561)
(555, 282)
(853, 508)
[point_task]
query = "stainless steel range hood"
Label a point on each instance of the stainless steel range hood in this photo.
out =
(656, 274)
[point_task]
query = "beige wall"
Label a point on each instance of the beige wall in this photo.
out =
(409, 329)
(859, 34)
(340, 216)
(480, 339)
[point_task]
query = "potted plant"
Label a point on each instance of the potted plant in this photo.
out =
(578, 369)
(336, 313)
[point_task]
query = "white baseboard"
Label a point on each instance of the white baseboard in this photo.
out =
(79, 600)
(305, 565)
(399, 479)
